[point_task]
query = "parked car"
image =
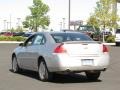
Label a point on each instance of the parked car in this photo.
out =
(106, 33)
(67, 30)
(18, 33)
(117, 37)
(7, 33)
(61, 52)
(27, 34)
(93, 32)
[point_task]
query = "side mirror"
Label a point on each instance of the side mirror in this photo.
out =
(21, 44)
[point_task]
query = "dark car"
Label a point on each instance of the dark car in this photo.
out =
(18, 33)
(27, 34)
(91, 31)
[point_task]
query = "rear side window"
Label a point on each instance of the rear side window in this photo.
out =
(64, 37)
(118, 31)
(39, 40)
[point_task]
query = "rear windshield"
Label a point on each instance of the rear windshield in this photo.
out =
(118, 31)
(64, 37)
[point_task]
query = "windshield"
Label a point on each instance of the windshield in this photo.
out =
(86, 28)
(64, 37)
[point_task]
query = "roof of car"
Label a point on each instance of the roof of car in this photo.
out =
(55, 32)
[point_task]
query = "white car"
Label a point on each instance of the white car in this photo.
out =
(61, 52)
(117, 37)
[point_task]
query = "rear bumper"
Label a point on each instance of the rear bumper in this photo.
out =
(78, 69)
(61, 63)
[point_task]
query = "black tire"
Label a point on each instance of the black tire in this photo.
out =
(93, 75)
(44, 74)
(15, 67)
(117, 44)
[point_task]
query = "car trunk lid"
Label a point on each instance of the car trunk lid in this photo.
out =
(83, 48)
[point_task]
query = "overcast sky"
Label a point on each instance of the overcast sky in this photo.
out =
(80, 10)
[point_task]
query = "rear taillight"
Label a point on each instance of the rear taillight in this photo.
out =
(60, 49)
(105, 48)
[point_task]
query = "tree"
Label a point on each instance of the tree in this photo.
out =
(104, 14)
(93, 21)
(38, 17)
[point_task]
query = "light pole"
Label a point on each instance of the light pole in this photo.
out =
(4, 25)
(7, 26)
(63, 23)
(60, 25)
(18, 21)
(69, 14)
(10, 22)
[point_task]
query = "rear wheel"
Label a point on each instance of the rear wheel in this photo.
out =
(15, 67)
(117, 44)
(44, 74)
(93, 75)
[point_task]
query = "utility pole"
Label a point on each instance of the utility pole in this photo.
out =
(69, 14)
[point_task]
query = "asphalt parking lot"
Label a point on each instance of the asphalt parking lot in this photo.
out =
(27, 80)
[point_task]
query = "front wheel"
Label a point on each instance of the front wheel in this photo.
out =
(93, 75)
(44, 74)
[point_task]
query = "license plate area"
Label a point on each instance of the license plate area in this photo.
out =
(87, 62)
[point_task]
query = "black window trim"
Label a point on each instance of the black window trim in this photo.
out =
(33, 36)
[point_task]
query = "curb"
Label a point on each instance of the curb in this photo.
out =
(111, 44)
(9, 42)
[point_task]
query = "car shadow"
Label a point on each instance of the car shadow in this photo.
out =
(59, 78)
(72, 78)
(31, 74)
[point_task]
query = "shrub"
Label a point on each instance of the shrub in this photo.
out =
(10, 38)
(110, 39)
(18, 38)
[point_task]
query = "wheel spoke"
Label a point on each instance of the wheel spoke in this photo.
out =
(42, 70)
(44, 74)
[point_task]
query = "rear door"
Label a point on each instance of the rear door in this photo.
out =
(37, 50)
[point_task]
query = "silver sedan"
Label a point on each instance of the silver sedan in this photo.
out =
(61, 52)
